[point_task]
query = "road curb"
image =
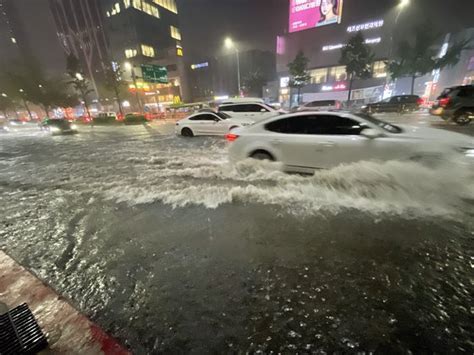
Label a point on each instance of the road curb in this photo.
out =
(67, 330)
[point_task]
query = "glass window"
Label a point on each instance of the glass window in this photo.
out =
(337, 73)
(126, 3)
(204, 117)
(228, 108)
(148, 51)
(316, 125)
(322, 103)
(175, 33)
(168, 5)
(319, 76)
(251, 108)
(380, 69)
(130, 53)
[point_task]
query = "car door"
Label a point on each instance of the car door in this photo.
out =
(302, 141)
(202, 123)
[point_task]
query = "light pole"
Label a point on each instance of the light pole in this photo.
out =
(129, 66)
(229, 44)
(22, 94)
(83, 89)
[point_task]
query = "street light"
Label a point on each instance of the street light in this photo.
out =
(229, 44)
(4, 95)
(25, 103)
(79, 76)
(404, 3)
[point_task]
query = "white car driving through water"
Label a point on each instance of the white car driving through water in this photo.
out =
(209, 123)
(306, 141)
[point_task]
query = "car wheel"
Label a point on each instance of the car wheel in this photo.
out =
(231, 128)
(186, 132)
(262, 155)
(463, 118)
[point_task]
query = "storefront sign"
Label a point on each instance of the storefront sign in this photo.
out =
(307, 14)
(365, 26)
(335, 87)
(284, 81)
(199, 66)
(332, 47)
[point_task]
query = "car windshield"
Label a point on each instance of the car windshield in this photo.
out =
(223, 115)
(203, 185)
(382, 124)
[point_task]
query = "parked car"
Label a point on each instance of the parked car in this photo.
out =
(106, 118)
(400, 104)
(134, 119)
(209, 123)
(249, 110)
(320, 105)
(307, 141)
(455, 104)
(58, 126)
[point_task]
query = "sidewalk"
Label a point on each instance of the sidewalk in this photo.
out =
(68, 331)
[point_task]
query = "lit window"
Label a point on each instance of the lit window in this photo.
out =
(380, 69)
(137, 4)
(130, 53)
(168, 5)
(337, 73)
(179, 50)
(150, 10)
(319, 76)
(126, 3)
(148, 51)
(13, 40)
(117, 7)
(175, 33)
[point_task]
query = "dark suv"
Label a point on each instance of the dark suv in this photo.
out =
(399, 104)
(455, 104)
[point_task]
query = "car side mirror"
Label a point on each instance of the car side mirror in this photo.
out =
(370, 133)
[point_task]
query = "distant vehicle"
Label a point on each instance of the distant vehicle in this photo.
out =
(320, 105)
(209, 123)
(134, 119)
(242, 100)
(307, 141)
(58, 126)
(455, 104)
(17, 122)
(250, 110)
(106, 118)
(399, 104)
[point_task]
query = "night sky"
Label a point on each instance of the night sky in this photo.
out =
(255, 23)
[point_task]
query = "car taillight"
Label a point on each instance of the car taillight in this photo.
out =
(420, 101)
(444, 101)
(231, 137)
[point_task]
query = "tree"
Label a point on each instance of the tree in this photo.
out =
(78, 80)
(358, 58)
(298, 69)
(115, 83)
(254, 83)
(421, 55)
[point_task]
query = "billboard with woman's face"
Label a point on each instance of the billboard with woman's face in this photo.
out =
(306, 14)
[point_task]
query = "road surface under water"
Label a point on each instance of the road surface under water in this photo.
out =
(172, 249)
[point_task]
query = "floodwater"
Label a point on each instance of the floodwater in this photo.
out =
(173, 250)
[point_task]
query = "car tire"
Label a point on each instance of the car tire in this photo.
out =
(186, 132)
(262, 155)
(463, 118)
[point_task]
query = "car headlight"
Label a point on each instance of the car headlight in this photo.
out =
(364, 106)
(54, 129)
(73, 126)
(469, 152)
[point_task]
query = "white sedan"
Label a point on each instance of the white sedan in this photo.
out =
(311, 140)
(209, 123)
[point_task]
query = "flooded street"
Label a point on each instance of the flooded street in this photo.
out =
(172, 249)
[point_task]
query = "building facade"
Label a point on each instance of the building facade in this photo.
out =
(146, 32)
(321, 28)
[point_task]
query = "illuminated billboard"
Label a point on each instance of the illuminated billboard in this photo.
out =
(307, 14)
